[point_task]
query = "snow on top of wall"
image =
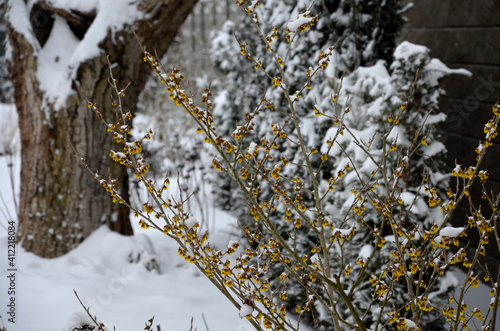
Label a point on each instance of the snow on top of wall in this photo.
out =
(62, 54)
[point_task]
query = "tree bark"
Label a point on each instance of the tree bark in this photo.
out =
(60, 203)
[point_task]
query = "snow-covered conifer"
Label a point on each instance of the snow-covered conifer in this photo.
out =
(363, 33)
(372, 99)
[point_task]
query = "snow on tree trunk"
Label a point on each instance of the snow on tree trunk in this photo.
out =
(57, 58)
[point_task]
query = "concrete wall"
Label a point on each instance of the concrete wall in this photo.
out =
(464, 34)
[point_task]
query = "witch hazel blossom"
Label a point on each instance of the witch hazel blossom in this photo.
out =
(303, 22)
(292, 258)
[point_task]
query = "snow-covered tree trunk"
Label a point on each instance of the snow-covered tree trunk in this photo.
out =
(57, 59)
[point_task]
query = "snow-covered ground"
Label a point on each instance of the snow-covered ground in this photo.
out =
(124, 280)
(110, 274)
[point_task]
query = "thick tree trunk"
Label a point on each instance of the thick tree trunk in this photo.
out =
(60, 202)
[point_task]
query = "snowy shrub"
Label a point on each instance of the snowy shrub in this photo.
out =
(340, 178)
(177, 149)
(84, 327)
(80, 321)
(375, 77)
(361, 39)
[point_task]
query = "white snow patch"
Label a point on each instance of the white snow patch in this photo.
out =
(411, 325)
(451, 232)
(365, 251)
(343, 232)
(252, 148)
(18, 17)
(434, 148)
(315, 258)
(301, 20)
(111, 16)
(53, 68)
(407, 50)
(83, 6)
(62, 54)
(245, 310)
(190, 222)
(78, 319)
